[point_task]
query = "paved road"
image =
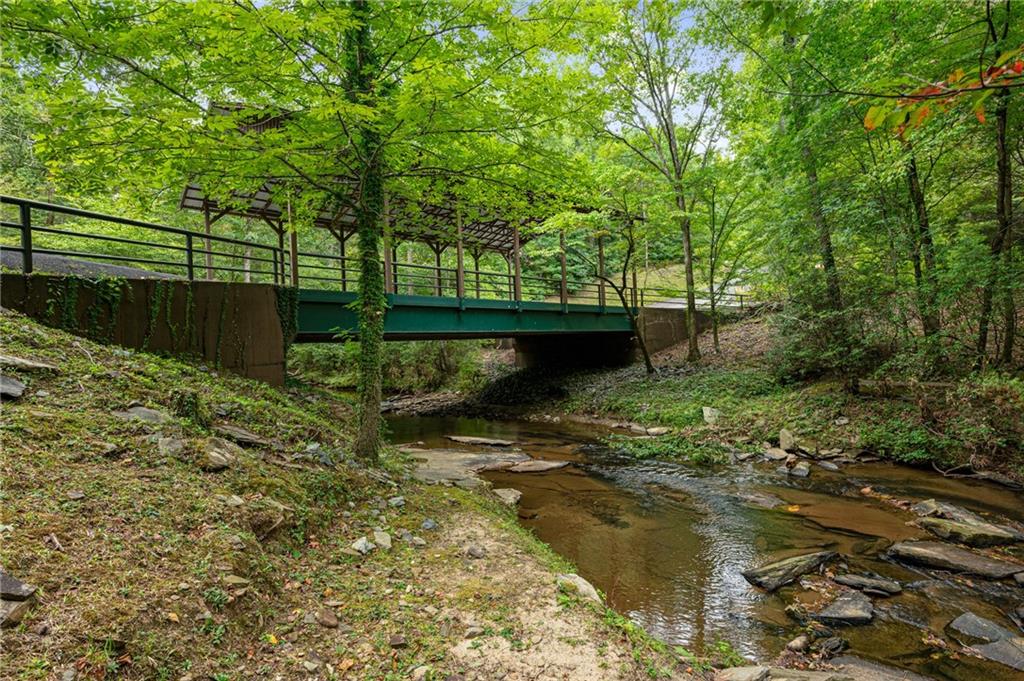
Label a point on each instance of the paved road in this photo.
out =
(58, 264)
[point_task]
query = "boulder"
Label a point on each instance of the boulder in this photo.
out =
(801, 469)
(170, 446)
(485, 441)
(219, 454)
(325, 617)
(948, 557)
(574, 583)
(874, 585)
(829, 466)
(774, 575)
(363, 545)
(13, 589)
(711, 415)
(382, 539)
(851, 607)
(12, 612)
(536, 466)
(509, 497)
(776, 454)
(11, 388)
(787, 441)
(972, 534)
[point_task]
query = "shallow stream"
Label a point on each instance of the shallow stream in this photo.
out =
(667, 541)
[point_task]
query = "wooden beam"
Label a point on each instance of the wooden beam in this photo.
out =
(341, 254)
(294, 246)
(437, 268)
(517, 281)
(207, 244)
(563, 291)
(460, 275)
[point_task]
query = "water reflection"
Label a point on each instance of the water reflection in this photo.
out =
(667, 542)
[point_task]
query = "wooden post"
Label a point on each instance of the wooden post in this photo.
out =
(517, 282)
(294, 245)
(207, 243)
(394, 265)
(410, 288)
(25, 212)
(563, 291)
(389, 278)
(509, 279)
(460, 274)
(476, 270)
(341, 254)
(280, 251)
(437, 269)
(600, 272)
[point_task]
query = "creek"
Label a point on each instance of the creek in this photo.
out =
(667, 542)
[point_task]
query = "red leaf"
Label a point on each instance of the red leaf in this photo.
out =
(980, 113)
(1018, 66)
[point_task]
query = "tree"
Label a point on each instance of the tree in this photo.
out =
(663, 108)
(355, 107)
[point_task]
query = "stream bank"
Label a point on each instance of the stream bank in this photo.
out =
(668, 542)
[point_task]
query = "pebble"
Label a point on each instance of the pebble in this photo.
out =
(474, 631)
(799, 644)
(475, 552)
(396, 502)
(76, 494)
(428, 525)
(397, 641)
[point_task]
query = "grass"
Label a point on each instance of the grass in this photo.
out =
(155, 570)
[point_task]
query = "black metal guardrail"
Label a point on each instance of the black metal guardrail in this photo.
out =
(195, 255)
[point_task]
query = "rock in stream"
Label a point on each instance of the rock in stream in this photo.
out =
(944, 556)
(774, 575)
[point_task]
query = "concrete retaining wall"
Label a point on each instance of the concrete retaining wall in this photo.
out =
(665, 327)
(234, 327)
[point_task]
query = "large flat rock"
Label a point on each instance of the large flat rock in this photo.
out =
(777, 574)
(455, 465)
(972, 534)
(537, 466)
(851, 607)
(947, 557)
(485, 441)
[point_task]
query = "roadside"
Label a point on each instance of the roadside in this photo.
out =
(166, 522)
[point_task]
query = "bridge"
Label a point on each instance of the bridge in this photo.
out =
(560, 319)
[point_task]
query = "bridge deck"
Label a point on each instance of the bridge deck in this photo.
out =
(331, 315)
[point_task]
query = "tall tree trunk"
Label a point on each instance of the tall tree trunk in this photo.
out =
(828, 260)
(369, 219)
(927, 289)
(1000, 239)
(692, 350)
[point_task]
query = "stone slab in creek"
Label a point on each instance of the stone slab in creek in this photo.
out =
(851, 607)
(870, 584)
(456, 465)
(485, 441)
(972, 534)
(947, 557)
(971, 625)
(537, 466)
(780, 573)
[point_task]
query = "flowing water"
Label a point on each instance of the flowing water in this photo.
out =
(667, 541)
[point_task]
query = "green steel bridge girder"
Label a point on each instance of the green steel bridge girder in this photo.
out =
(326, 316)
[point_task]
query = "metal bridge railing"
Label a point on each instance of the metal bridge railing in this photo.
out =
(51, 230)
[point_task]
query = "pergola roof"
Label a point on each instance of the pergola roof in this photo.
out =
(434, 224)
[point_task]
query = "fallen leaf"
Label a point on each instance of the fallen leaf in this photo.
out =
(173, 616)
(793, 509)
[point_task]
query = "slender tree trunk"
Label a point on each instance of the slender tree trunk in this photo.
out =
(828, 260)
(927, 289)
(369, 219)
(692, 350)
(714, 314)
(1000, 239)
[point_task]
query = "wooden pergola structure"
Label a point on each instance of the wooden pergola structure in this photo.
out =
(439, 226)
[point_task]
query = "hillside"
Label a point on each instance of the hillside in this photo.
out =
(178, 524)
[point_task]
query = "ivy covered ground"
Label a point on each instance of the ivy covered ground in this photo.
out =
(160, 552)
